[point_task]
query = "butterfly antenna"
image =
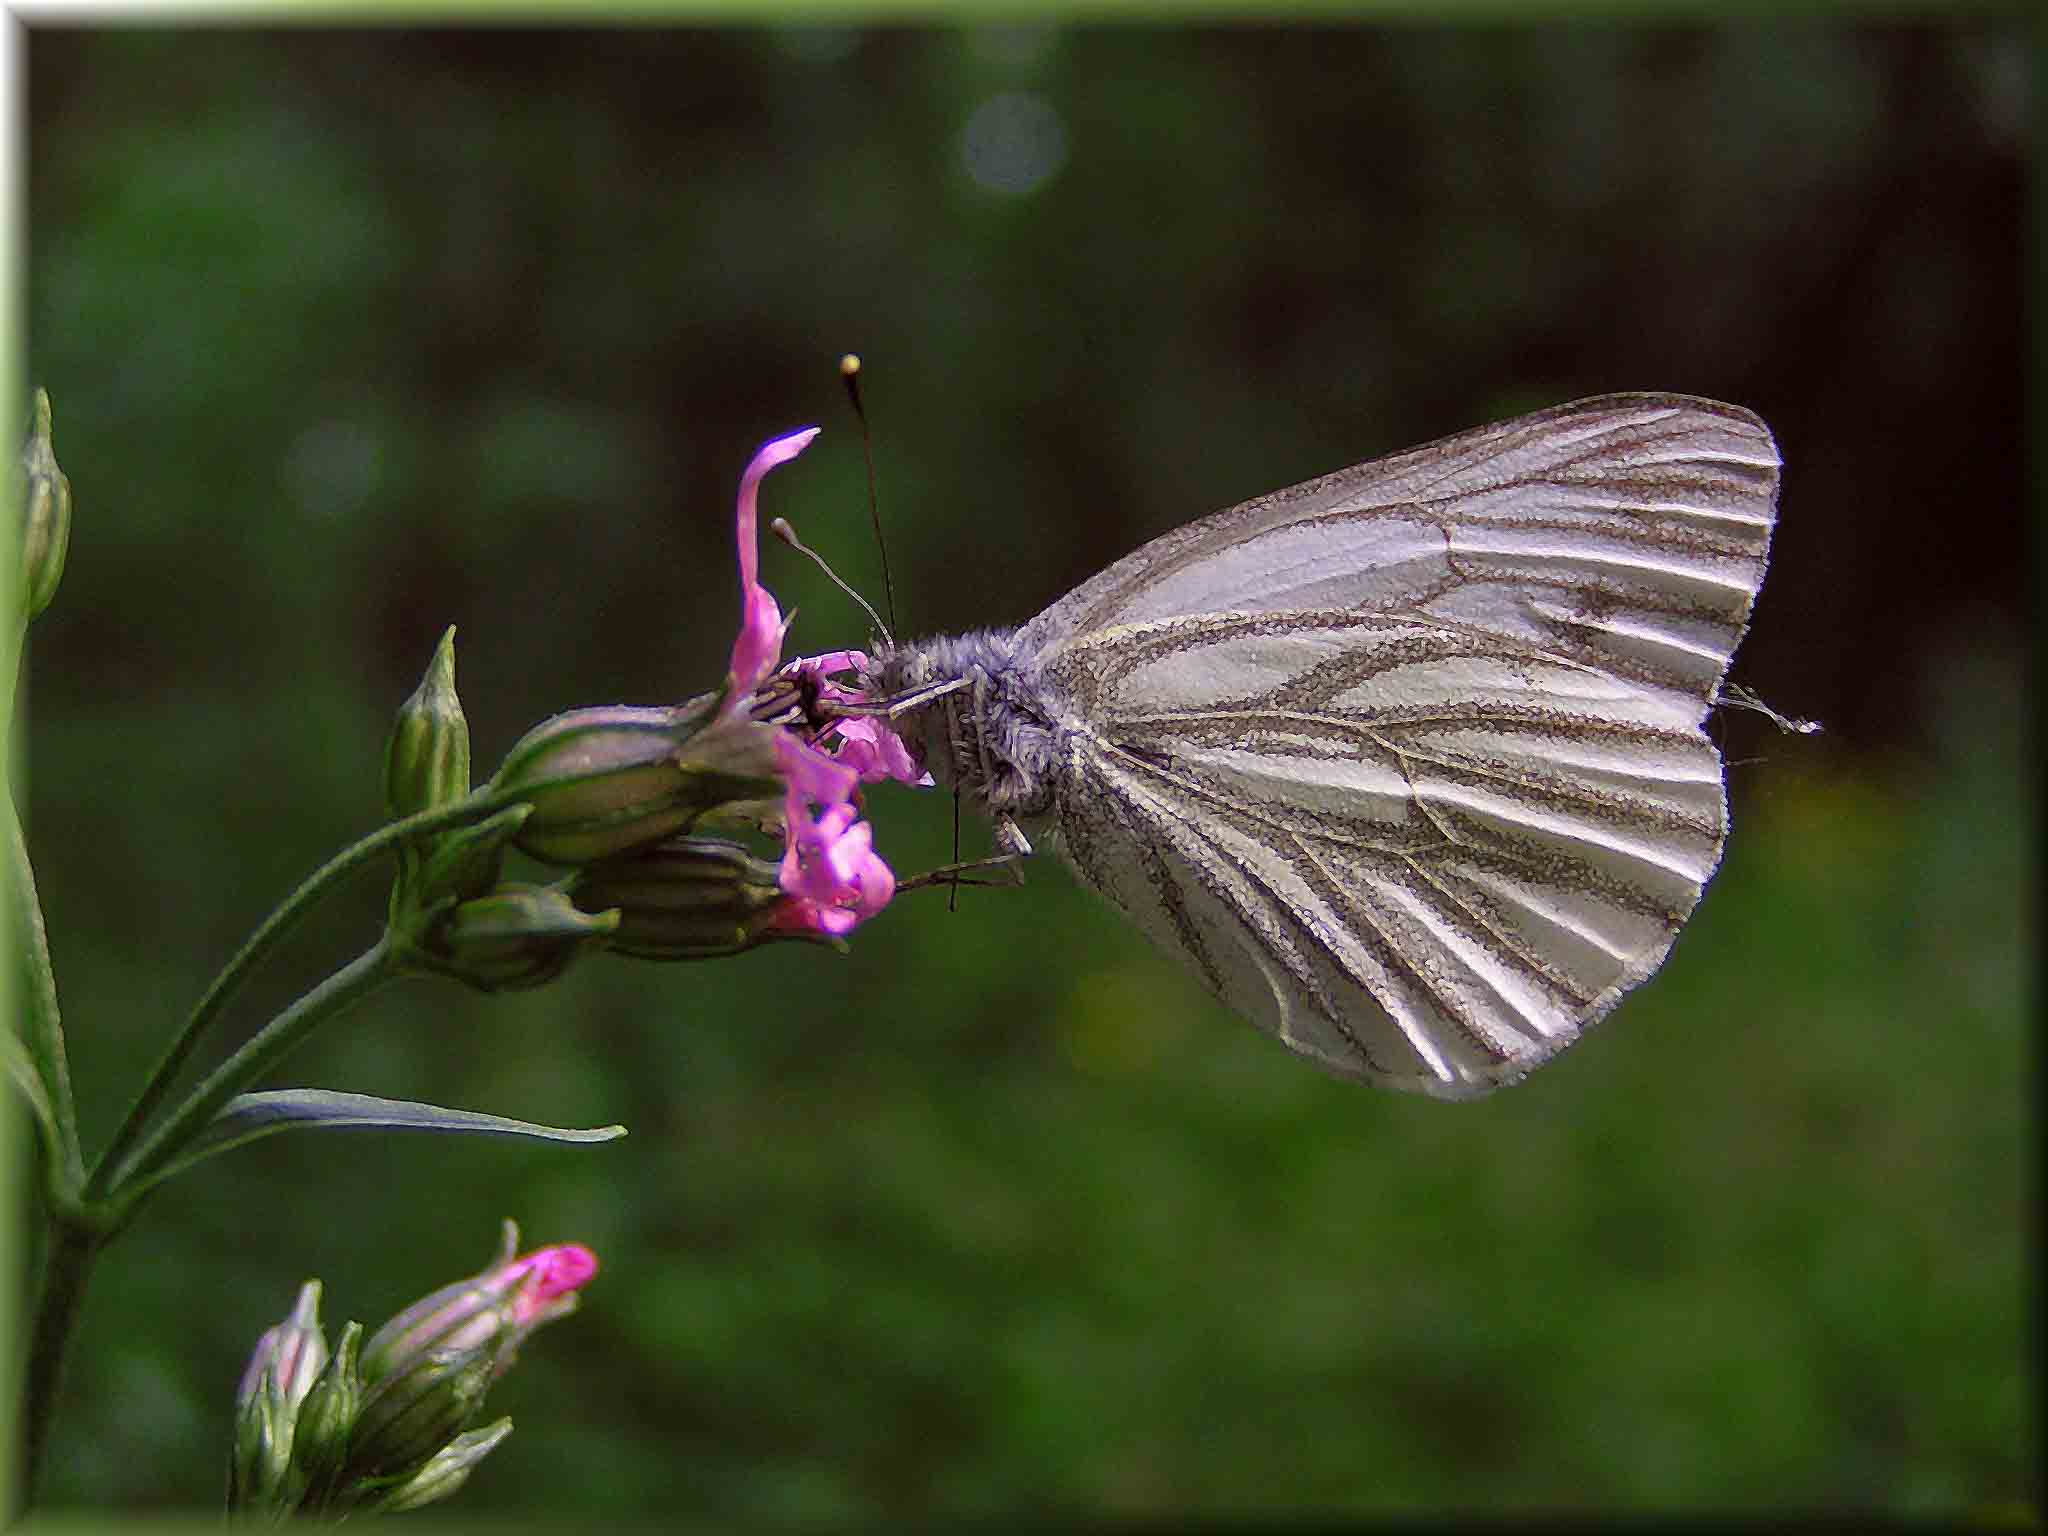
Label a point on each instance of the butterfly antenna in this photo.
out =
(849, 373)
(782, 530)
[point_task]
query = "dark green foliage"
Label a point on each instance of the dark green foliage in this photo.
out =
(351, 337)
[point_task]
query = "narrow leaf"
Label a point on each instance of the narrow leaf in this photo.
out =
(251, 1116)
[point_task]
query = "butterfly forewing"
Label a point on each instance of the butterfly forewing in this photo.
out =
(1406, 762)
(1630, 530)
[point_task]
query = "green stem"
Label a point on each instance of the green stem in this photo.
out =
(113, 1164)
(42, 1025)
(73, 1247)
(258, 1055)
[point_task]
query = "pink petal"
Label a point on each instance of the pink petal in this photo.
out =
(755, 650)
(559, 1270)
(811, 772)
(874, 751)
(775, 451)
(807, 871)
(804, 916)
(877, 887)
(846, 853)
(543, 1278)
(759, 643)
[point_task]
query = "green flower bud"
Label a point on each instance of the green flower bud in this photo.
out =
(606, 780)
(426, 764)
(457, 864)
(691, 898)
(446, 1470)
(320, 1451)
(282, 1370)
(411, 1417)
(45, 515)
(516, 937)
(255, 1467)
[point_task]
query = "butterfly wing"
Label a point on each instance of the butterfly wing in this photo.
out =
(1406, 761)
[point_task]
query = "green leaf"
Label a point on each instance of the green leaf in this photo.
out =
(250, 1116)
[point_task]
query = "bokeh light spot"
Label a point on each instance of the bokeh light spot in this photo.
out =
(1013, 143)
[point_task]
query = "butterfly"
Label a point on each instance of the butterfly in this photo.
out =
(1406, 763)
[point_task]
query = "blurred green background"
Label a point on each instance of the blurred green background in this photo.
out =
(355, 335)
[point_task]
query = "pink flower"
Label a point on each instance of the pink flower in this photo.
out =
(830, 872)
(867, 744)
(491, 1311)
(759, 645)
(831, 876)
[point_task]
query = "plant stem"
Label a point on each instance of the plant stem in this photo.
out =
(42, 1026)
(73, 1247)
(259, 1054)
(266, 938)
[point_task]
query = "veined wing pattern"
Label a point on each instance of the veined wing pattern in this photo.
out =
(1407, 761)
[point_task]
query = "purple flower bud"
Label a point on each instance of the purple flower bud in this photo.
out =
(497, 1307)
(605, 780)
(426, 1371)
(691, 898)
(288, 1358)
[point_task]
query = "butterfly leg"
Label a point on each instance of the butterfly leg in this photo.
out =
(949, 874)
(910, 703)
(1015, 848)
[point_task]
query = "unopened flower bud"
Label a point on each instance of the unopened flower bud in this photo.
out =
(516, 937)
(426, 764)
(320, 1450)
(503, 1303)
(417, 1413)
(426, 1371)
(445, 1471)
(255, 1470)
(691, 898)
(461, 862)
(606, 780)
(45, 515)
(287, 1360)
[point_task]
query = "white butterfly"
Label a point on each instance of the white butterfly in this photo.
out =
(1406, 762)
